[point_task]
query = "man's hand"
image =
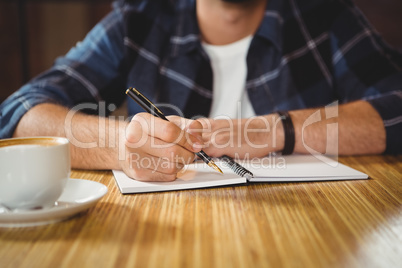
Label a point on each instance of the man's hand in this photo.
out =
(251, 137)
(156, 149)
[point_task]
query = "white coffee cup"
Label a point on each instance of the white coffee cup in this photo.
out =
(33, 171)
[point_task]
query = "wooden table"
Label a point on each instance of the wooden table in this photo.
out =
(320, 224)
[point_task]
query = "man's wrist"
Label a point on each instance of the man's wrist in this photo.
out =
(275, 138)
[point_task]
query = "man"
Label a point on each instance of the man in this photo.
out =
(289, 55)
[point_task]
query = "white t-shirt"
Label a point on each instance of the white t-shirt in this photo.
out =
(229, 68)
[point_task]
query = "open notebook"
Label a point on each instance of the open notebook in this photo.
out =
(270, 169)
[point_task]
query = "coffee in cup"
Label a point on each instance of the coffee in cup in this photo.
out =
(33, 171)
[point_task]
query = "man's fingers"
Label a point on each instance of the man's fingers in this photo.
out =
(163, 130)
(158, 149)
(149, 175)
(194, 128)
(147, 167)
(170, 151)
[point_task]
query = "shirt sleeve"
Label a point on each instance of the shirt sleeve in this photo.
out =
(389, 106)
(90, 72)
(366, 67)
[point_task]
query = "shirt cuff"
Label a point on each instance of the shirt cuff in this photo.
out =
(14, 108)
(389, 108)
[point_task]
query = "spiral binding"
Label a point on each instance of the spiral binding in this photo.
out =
(236, 167)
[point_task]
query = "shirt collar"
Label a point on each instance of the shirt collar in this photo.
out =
(272, 23)
(186, 34)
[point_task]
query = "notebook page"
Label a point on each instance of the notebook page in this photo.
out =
(300, 168)
(196, 175)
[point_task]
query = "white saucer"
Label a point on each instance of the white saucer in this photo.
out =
(78, 195)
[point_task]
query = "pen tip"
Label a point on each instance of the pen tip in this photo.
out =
(214, 166)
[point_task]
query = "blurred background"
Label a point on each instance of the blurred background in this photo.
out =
(34, 32)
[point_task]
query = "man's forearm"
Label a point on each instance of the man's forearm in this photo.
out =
(354, 128)
(94, 140)
(349, 129)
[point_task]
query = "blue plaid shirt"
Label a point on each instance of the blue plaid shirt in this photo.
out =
(304, 54)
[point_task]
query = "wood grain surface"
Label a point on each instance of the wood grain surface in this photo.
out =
(309, 224)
